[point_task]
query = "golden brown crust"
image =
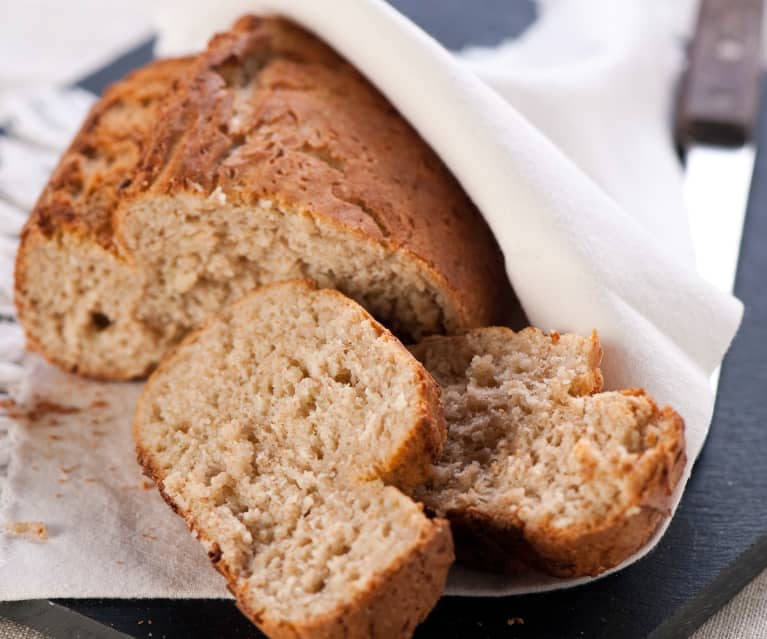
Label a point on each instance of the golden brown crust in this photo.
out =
(310, 134)
(496, 542)
(85, 187)
(313, 134)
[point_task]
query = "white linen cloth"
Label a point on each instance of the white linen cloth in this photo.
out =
(585, 203)
(44, 40)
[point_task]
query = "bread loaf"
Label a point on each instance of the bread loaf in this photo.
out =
(540, 468)
(280, 430)
(75, 293)
(266, 158)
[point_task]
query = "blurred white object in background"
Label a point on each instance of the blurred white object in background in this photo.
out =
(45, 42)
(54, 42)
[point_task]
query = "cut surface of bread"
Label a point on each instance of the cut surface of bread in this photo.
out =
(72, 287)
(540, 467)
(282, 430)
(266, 158)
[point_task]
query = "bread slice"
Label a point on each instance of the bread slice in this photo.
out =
(270, 158)
(540, 468)
(281, 431)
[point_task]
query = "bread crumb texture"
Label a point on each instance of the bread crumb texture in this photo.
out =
(539, 466)
(266, 158)
(274, 431)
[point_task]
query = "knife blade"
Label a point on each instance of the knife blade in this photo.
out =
(716, 112)
(53, 620)
(715, 115)
(716, 215)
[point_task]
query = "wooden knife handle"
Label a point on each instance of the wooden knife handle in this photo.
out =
(720, 91)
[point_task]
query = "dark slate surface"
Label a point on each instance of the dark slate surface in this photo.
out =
(717, 541)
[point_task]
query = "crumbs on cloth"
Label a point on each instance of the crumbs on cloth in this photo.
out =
(34, 411)
(36, 530)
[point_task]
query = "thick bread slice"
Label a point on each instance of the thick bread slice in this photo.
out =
(272, 159)
(273, 430)
(540, 467)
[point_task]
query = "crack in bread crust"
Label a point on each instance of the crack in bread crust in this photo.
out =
(265, 158)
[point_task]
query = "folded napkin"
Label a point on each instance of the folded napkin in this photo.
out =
(562, 140)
